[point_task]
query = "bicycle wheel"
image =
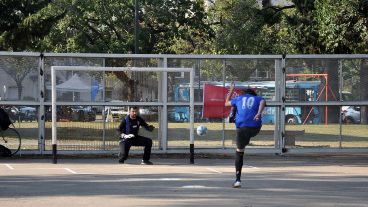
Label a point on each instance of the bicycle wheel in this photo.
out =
(10, 138)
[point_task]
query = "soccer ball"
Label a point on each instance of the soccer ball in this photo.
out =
(201, 130)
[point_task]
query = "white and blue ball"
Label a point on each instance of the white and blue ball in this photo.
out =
(201, 130)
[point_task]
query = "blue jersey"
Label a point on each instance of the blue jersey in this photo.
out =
(247, 106)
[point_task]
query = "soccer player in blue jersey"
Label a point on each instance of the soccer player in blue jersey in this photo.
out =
(249, 108)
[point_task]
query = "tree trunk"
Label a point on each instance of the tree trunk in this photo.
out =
(171, 87)
(20, 89)
(363, 92)
(333, 91)
(123, 76)
(129, 82)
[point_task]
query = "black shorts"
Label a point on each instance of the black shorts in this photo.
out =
(244, 134)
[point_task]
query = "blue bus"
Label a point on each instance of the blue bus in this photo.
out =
(295, 91)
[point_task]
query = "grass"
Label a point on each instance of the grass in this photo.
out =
(88, 135)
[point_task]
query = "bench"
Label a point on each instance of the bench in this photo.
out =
(289, 135)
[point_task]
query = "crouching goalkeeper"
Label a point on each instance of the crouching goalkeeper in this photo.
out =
(128, 130)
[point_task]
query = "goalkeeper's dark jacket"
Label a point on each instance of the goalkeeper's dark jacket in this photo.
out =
(131, 126)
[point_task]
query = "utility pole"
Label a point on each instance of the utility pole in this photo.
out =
(136, 27)
(136, 50)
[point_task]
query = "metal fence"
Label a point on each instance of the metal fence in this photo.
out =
(315, 103)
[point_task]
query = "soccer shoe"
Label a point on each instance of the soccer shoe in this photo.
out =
(146, 162)
(237, 184)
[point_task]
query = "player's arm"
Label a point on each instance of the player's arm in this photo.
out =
(262, 106)
(145, 125)
(230, 94)
(122, 126)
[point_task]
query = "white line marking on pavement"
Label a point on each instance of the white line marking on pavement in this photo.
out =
(174, 180)
(195, 186)
(104, 180)
(9, 166)
(251, 166)
(71, 171)
(147, 179)
(213, 170)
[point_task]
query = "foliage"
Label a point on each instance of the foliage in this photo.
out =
(165, 26)
(319, 26)
(185, 26)
(237, 25)
(20, 29)
(108, 26)
(174, 26)
(343, 25)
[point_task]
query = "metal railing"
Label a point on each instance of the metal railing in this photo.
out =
(330, 124)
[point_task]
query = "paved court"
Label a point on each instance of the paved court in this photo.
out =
(267, 181)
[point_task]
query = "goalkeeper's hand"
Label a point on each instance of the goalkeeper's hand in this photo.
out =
(150, 128)
(127, 136)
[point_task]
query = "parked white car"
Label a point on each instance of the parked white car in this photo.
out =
(351, 114)
(27, 114)
(115, 113)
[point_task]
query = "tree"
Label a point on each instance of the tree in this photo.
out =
(23, 23)
(108, 26)
(173, 26)
(305, 38)
(238, 27)
(274, 29)
(18, 69)
(343, 28)
(166, 26)
(325, 26)
(91, 26)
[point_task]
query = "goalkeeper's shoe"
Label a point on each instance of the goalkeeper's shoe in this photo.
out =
(237, 184)
(146, 162)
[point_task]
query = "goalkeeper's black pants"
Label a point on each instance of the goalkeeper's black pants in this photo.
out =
(125, 145)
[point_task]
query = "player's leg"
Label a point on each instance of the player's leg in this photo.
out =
(147, 144)
(238, 167)
(253, 131)
(124, 145)
(242, 140)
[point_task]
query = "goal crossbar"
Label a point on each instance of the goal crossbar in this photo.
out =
(103, 69)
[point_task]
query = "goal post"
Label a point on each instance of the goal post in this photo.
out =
(54, 70)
